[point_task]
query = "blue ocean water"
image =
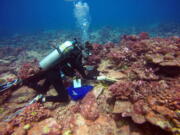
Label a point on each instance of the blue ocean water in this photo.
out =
(17, 16)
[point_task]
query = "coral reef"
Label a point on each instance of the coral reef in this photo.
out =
(28, 69)
(32, 113)
(121, 90)
(78, 125)
(152, 89)
(143, 100)
(6, 129)
(4, 96)
(88, 107)
(98, 52)
(8, 58)
(104, 125)
(48, 127)
(10, 51)
(22, 95)
(24, 121)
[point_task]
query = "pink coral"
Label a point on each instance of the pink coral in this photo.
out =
(109, 45)
(121, 90)
(28, 69)
(144, 35)
(130, 37)
(32, 113)
(94, 60)
(87, 107)
(99, 52)
(138, 107)
(97, 48)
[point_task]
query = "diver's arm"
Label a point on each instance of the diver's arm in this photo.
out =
(76, 64)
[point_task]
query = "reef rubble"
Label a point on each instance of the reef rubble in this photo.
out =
(142, 99)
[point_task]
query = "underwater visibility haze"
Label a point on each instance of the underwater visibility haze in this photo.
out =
(19, 16)
(89, 67)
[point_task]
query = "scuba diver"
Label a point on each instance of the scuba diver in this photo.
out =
(66, 59)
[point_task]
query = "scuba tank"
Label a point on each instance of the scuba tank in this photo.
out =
(54, 57)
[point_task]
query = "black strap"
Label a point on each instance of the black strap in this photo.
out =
(59, 51)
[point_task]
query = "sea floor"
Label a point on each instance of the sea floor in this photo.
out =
(140, 95)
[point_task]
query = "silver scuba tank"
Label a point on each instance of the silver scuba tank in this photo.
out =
(54, 57)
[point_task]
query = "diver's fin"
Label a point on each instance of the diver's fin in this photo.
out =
(9, 85)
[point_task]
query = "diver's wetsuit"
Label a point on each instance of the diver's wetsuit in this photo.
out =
(72, 60)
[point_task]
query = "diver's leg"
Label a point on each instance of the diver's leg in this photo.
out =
(55, 79)
(33, 83)
(40, 88)
(45, 87)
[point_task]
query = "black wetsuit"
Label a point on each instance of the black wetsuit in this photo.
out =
(70, 62)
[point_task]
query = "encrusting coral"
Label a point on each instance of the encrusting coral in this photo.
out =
(33, 113)
(152, 88)
(28, 69)
(88, 107)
